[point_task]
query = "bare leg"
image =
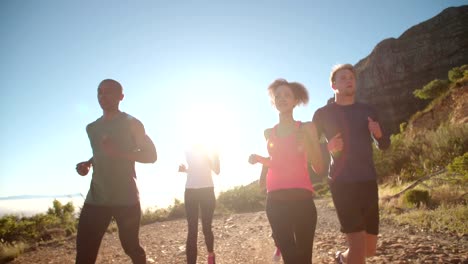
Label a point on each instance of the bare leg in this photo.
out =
(371, 245)
(356, 253)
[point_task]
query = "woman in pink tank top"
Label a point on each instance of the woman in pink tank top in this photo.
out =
(291, 145)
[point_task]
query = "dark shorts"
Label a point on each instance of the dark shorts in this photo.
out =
(357, 206)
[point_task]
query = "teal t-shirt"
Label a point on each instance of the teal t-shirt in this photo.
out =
(114, 180)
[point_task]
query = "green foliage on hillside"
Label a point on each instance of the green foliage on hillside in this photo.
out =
(417, 197)
(458, 73)
(174, 211)
(16, 233)
(439, 202)
(241, 199)
(432, 90)
(413, 157)
(459, 165)
(58, 221)
(438, 87)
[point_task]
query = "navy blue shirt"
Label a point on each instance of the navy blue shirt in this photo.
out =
(355, 162)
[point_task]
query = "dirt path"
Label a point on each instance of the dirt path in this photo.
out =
(245, 238)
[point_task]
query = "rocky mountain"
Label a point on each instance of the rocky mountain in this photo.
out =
(396, 67)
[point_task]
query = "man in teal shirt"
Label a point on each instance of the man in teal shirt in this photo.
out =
(118, 140)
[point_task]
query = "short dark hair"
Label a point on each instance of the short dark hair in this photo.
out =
(114, 82)
(338, 68)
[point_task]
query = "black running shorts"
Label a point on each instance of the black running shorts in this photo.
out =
(357, 206)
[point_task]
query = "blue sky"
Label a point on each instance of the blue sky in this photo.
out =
(177, 60)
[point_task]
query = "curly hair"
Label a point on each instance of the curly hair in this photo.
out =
(298, 89)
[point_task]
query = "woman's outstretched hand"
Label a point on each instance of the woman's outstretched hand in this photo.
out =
(253, 158)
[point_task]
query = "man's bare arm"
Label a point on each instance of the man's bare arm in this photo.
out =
(146, 151)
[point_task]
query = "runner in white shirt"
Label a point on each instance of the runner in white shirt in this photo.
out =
(199, 194)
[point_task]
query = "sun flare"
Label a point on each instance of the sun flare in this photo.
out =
(209, 126)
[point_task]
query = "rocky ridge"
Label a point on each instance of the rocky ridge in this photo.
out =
(396, 67)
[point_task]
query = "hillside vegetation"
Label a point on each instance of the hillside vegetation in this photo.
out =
(424, 174)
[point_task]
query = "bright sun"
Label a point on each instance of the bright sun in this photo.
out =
(207, 125)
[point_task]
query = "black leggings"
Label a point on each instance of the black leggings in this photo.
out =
(293, 224)
(93, 223)
(202, 199)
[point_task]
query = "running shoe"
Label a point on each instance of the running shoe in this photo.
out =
(277, 255)
(339, 259)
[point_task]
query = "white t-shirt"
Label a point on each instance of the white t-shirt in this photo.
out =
(198, 169)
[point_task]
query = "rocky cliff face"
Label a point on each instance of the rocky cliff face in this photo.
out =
(396, 67)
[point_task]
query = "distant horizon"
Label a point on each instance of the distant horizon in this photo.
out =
(40, 204)
(34, 196)
(32, 206)
(23, 207)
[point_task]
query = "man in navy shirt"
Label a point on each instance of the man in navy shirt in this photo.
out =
(350, 128)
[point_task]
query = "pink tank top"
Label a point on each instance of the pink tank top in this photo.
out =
(288, 164)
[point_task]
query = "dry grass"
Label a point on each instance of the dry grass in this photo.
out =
(449, 194)
(445, 218)
(387, 190)
(11, 251)
(447, 210)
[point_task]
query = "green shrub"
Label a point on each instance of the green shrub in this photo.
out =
(396, 160)
(61, 211)
(10, 251)
(243, 199)
(432, 89)
(403, 126)
(411, 157)
(59, 220)
(66, 215)
(177, 210)
(417, 197)
(150, 216)
(26, 229)
(457, 73)
(441, 146)
(459, 166)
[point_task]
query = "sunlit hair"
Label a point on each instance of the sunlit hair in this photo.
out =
(298, 89)
(114, 83)
(338, 68)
